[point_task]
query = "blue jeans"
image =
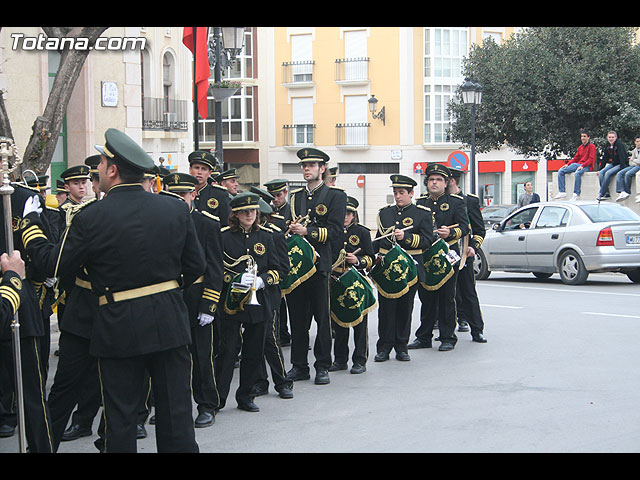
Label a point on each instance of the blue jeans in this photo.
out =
(573, 168)
(604, 177)
(624, 178)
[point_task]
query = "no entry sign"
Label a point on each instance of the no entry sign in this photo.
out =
(458, 160)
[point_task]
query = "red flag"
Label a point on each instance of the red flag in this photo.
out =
(201, 60)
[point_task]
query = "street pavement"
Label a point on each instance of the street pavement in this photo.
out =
(558, 374)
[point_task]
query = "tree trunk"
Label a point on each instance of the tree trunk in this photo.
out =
(46, 128)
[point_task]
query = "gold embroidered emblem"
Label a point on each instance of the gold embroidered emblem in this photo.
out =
(354, 239)
(15, 281)
(321, 209)
(444, 207)
(212, 203)
(227, 277)
(176, 178)
(407, 221)
(212, 308)
(259, 248)
(25, 223)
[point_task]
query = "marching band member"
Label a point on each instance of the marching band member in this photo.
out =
(410, 226)
(358, 254)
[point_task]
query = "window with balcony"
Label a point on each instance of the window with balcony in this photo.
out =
(301, 132)
(354, 67)
(299, 71)
(354, 133)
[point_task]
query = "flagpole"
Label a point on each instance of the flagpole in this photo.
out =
(196, 139)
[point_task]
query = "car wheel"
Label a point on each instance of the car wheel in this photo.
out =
(634, 275)
(571, 268)
(480, 266)
(542, 275)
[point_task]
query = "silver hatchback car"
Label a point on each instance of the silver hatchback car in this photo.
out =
(569, 238)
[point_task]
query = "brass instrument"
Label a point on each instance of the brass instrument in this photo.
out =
(252, 267)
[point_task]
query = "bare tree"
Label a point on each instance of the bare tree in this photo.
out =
(46, 127)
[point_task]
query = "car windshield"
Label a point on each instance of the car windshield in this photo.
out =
(495, 212)
(607, 212)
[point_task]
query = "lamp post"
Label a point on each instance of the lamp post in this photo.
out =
(373, 103)
(471, 97)
(224, 46)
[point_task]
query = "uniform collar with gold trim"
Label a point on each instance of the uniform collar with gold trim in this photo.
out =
(125, 187)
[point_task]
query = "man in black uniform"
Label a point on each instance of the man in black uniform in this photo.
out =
(358, 254)
(210, 197)
(280, 204)
(451, 223)
(21, 294)
(412, 229)
(202, 300)
(143, 323)
(229, 180)
(467, 304)
(325, 208)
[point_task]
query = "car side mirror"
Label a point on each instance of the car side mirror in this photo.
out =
(496, 226)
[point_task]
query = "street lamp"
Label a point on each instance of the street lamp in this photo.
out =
(373, 102)
(472, 96)
(225, 45)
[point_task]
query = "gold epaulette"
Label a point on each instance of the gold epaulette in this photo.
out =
(273, 226)
(207, 214)
(219, 186)
(456, 195)
(296, 190)
(268, 229)
(170, 194)
(337, 188)
(472, 195)
(423, 207)
(224, 229)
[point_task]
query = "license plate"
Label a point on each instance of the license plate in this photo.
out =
(633, 239)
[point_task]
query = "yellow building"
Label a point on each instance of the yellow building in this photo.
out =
(319, 83)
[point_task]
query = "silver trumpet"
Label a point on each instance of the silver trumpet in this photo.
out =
(252, 267)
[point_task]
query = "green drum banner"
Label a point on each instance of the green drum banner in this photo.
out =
(302, 261)
(352, 298)
(437, 265)
(235, 299)
(395, 273)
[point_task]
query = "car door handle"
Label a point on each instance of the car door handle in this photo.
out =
(521, 239)
(554, 236)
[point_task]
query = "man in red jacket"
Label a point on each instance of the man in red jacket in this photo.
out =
(582, 162)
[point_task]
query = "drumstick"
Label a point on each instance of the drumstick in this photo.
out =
(391, 234)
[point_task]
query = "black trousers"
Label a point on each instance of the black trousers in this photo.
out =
(76, 378)
(467, 303)
(36, 410)
(310, 300)
(122, 381)
(251, 339)
(439, 305)
(360, 342)
(205, 389)
(394, 321)
(283, 331)
(273, 357)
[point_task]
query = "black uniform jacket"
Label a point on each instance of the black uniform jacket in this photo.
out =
(284, 265)
(138, 249)
(416, 240)
(448, 209)
(478, 230)
(326, 207)
(204, 295)
(214, 199)
(260, 244)
(356, 237)
(29, 314)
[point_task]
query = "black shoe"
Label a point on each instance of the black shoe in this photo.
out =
(285, 392)
(335, 366)
(381, 357)
(74, 432)
(446, 346)
(322, 377)
(248, 407)
(417, 343)
(463, 326)
(403, 356)
(99, 444)
(205, 419)
(478, 337)
(259, 391)
(152, 420)
(7, 431)
(141, 432)
(357, 368)
(297, 373)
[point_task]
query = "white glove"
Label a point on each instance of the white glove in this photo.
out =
(32, 205)
(247, 280)
(204, 319)
(50, 282)
(259, 283)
